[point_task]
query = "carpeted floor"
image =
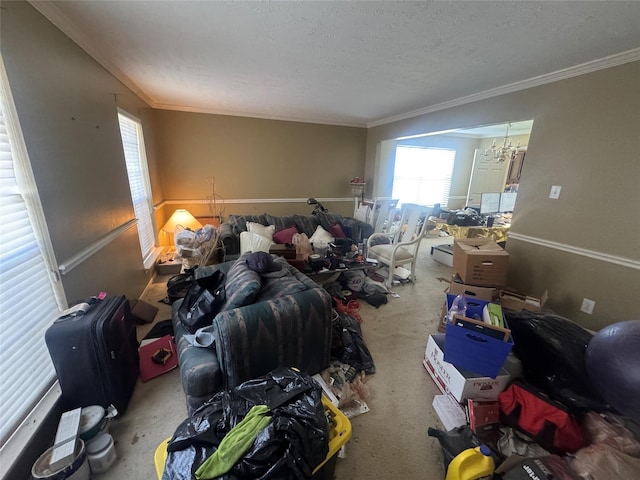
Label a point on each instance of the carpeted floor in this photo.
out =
(388, 442)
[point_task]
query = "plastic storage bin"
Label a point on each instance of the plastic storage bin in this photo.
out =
(339, 434)
(474, 351)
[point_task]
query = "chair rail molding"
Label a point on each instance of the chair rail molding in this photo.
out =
(250, 200)
(604, 257)
(72, 262)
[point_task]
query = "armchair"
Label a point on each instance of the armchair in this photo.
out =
(405, 243)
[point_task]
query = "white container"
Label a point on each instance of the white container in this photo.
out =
(101, 453)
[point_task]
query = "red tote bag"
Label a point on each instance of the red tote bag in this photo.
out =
(546, 421)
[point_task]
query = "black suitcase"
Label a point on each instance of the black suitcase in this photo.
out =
(96, 355)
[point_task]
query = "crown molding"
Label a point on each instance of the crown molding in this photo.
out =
(282, 118)
(575, 71)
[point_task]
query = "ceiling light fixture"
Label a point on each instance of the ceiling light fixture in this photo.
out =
(503, 153)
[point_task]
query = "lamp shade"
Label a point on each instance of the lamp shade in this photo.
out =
(183, 218)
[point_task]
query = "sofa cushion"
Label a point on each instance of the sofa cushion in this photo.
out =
(327, 219)
(242, 286)
(275, 287)
(359, 230)
(281, 222)
(285, 235)
(306, 224)
(239, 222)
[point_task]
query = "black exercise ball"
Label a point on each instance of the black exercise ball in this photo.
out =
(613, 365)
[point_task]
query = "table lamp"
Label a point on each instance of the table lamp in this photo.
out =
(181, 217)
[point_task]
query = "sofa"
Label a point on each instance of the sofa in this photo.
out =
(264, 323)
(358, 231)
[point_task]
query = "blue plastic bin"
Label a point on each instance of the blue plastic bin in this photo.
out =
(474, 351)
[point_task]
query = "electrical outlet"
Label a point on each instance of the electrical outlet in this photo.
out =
(587, 306)
(555, 192)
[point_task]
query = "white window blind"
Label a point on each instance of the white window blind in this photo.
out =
(29, 299)
(136, 160)
(423, 175)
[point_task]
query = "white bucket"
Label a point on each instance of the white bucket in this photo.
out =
(76, 469)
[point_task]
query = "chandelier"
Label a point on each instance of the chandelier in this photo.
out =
(503, 153)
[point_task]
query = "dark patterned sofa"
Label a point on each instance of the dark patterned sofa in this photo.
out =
(356, 230)
(265, 323)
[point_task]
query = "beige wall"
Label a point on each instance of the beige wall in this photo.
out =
(584, 138)
(67, 107)
(259, 165)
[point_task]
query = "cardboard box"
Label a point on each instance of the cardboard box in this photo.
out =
(461, 384)
(517, 301)
(443, 254)
(458, 287)
(480, 262)
(484, 415)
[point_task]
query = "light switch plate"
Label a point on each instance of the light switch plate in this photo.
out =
(555, 192)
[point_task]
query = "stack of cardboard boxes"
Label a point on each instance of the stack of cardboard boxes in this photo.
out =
(467, 359)
(480, 272)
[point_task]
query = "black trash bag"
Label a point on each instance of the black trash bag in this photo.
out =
(203, 301)
(348, 345)
(552, 351)
(290, 447)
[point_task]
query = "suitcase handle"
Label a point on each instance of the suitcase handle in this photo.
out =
(73, 312)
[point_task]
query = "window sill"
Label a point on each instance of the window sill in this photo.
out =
(150, 260)
(11, 451)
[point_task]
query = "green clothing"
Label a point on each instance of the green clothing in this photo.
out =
(234, 444)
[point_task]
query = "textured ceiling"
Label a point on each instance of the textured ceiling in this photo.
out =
(347, 63)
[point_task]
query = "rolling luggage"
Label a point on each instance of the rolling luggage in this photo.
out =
(95, 354)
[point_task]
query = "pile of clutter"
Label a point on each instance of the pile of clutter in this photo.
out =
(527, 393)
(196, 248)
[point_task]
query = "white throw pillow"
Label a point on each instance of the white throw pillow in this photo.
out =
(252, 242)
(266, 232)
(321, 236)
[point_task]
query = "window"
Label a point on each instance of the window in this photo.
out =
(136, 160)
(30, 296)
(423, 175)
